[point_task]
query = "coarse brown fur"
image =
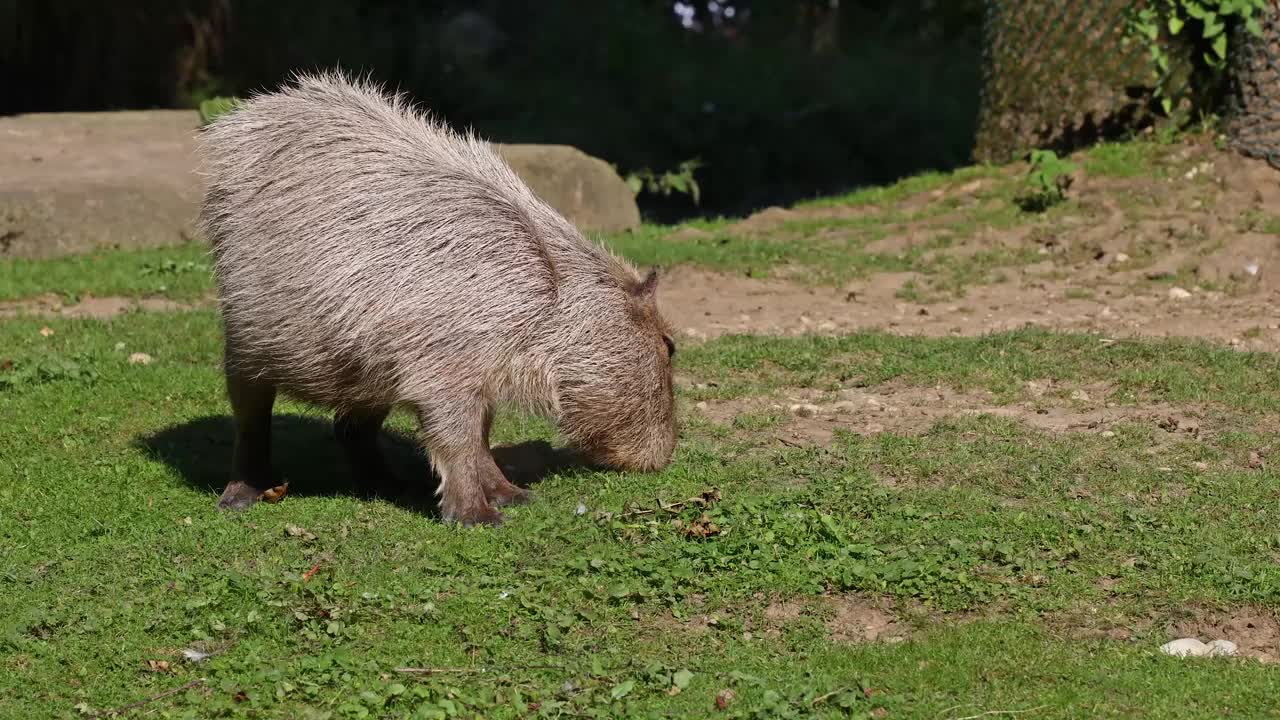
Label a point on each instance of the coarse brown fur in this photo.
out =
(368, 257)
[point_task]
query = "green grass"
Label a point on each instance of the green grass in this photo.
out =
(988, 536)
(1123, 159)
(179, 272)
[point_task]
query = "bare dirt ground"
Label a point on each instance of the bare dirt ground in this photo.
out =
(810, 417)
(1154, 256)
(97, 308)
(1194, 253)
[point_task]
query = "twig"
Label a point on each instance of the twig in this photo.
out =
(153, 698)
(1001, 712)
(440, 671)
(310, 573)
(467, 671)
(825, 697)
(673, 508)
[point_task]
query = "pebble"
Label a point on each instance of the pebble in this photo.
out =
(1080, 395)
(702, 405)
(1191, 647)
(805, 410)
(1107, 434)
(1177, 293)
(1121, 258)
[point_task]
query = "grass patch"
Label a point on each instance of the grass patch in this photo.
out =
(1134, 158)
(113, 560)
(179, 272)
(903, 189)
(1175, 371)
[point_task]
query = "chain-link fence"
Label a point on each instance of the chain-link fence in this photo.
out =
(1058, 73)
(1061, 73)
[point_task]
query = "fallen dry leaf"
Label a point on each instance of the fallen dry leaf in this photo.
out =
(310, 573)
(139, 358)
(702, 527)
(158, 665)
(275, 494)
(46, 331)
(1255, 460)
(723, 698)
(299, 532)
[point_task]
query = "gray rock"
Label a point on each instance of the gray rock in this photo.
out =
(76, 182)
(583, 188)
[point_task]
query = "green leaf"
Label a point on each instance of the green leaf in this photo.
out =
(1220, 46)
(681, 678)
(1213, 28)
(620, 690)
(1175, 24)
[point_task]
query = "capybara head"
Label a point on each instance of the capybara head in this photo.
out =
(618, 406)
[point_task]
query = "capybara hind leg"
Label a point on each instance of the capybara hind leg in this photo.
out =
(458, 451)
(251, 474)
(499, 491)
(357, 432)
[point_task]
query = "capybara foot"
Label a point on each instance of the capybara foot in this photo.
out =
(238, 495)
(508, 494)
(472, 516)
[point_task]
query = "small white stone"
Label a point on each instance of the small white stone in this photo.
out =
(702, 405)
(1185, 647)
(139, 358)
(1080, 395)
(1107, 434)
(805, 410)
(1251, 268)
(1177, 293)
(195, 655)
(1121, 258)
(580, 510)
(1221, 648)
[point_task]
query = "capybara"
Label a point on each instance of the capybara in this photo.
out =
(368, 257)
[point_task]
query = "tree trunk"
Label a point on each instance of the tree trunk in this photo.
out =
(1253, 122)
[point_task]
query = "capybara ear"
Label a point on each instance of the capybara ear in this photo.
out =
(647, 288)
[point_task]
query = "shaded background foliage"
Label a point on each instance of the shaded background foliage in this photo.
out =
(780, 99)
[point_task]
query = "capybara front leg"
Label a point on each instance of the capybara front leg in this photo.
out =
(458, 451)
(251, 473)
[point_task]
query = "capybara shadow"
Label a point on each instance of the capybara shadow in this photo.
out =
(306, 454)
